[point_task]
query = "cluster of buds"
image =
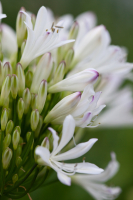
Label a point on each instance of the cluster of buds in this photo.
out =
(40, 89)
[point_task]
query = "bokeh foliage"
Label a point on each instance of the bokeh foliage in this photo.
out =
(117, 16)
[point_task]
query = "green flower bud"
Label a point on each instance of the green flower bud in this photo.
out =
(19, 150)
(14, 86)
(7, 68)
(15, 178)
(60, 71)
(39, 126)
(15, 139)
(7, 141)
(74, 31)
(20, 27)
(27, 99)
(42, 94)
(33, 101)
(34, 119)
(4, 119)
(18, 129)
(23, 46)
(5, 91)
(18, 161)
(20, 108)
(9, 127)
(1, 75)
(45, 143)
(1, 56)
(28, 136)
(29, 77)
(21, 78)
(33, 19)
(6, 158)
(69, 57)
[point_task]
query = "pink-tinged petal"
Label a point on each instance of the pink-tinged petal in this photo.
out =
(55, 139)
(98, 110)
(67, 133)
(76, 152)
(84, 121)
(44, 154)
(64, 179)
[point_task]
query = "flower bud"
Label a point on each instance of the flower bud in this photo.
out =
(63, 107)
(28, 136)
(21, 78)
(33, 101)
(23, 46)
(15, 178)
(27, 99)
(20, 108)
(18, 161)
(19, 150)
(1, 56)
(14, 86)
(20, 27)
(28, 78)
(7, 141)
(74, 31)
(59, 73)
(1, 74)
(7, 68)
(4, 119)
(39, 126)
(15, 139)
(18, 129)
(6, 87)
(34, 119)
(42, 94)
(6, 158)
(45, 143)
(9, 127)
(69, 57)
(43, 70)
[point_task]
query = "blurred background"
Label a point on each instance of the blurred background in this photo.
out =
(117, 16)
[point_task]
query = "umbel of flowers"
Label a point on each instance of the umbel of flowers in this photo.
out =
(46, 92)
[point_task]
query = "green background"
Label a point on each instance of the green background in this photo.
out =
(117, 16)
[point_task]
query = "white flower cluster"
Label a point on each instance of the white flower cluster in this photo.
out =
(62, 65)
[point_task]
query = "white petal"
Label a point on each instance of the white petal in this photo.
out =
(76, 152)
(67, 133)
(55, 139)
(2, 16)
(44, 154)
(64, 179)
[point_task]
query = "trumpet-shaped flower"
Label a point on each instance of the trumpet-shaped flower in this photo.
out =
(76, 82)
(94, 184)
(41, 39)
(83, 108)
(54, 158)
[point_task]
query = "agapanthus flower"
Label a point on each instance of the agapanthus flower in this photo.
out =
(94, 184)
(54, 158)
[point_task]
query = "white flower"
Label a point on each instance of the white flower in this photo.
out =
(94, 184)
(40, 40)
(53, 159)
(83, 108)
(76, 82)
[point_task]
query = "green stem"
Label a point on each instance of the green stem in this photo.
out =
(1, 166)
(19, 54)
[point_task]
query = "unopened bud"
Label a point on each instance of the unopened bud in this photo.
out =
(6, 158)
(1, 74)
(69, 57)
(20, 27)
(18, 129)
(18, 161)
(15, 139)
(28, 134)
(34, 119)
(21, 78)
(23, 46)
(43, 70)
(28, 78)
(14, 86)
(45, 143)
(20, 108)
(1, 56)
(7, 140)
(39, 126)
(19, 150)
(6, 88)
(9, 127)
(33, 101)
(60, 71)
(74, 31)
(33, 19)
(15, 178)
(4, 119)
(27, 99)
(42, 94)
(7, 69)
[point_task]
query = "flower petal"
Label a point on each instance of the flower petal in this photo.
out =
(55, 139)
(44, 154)
(64, 179)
